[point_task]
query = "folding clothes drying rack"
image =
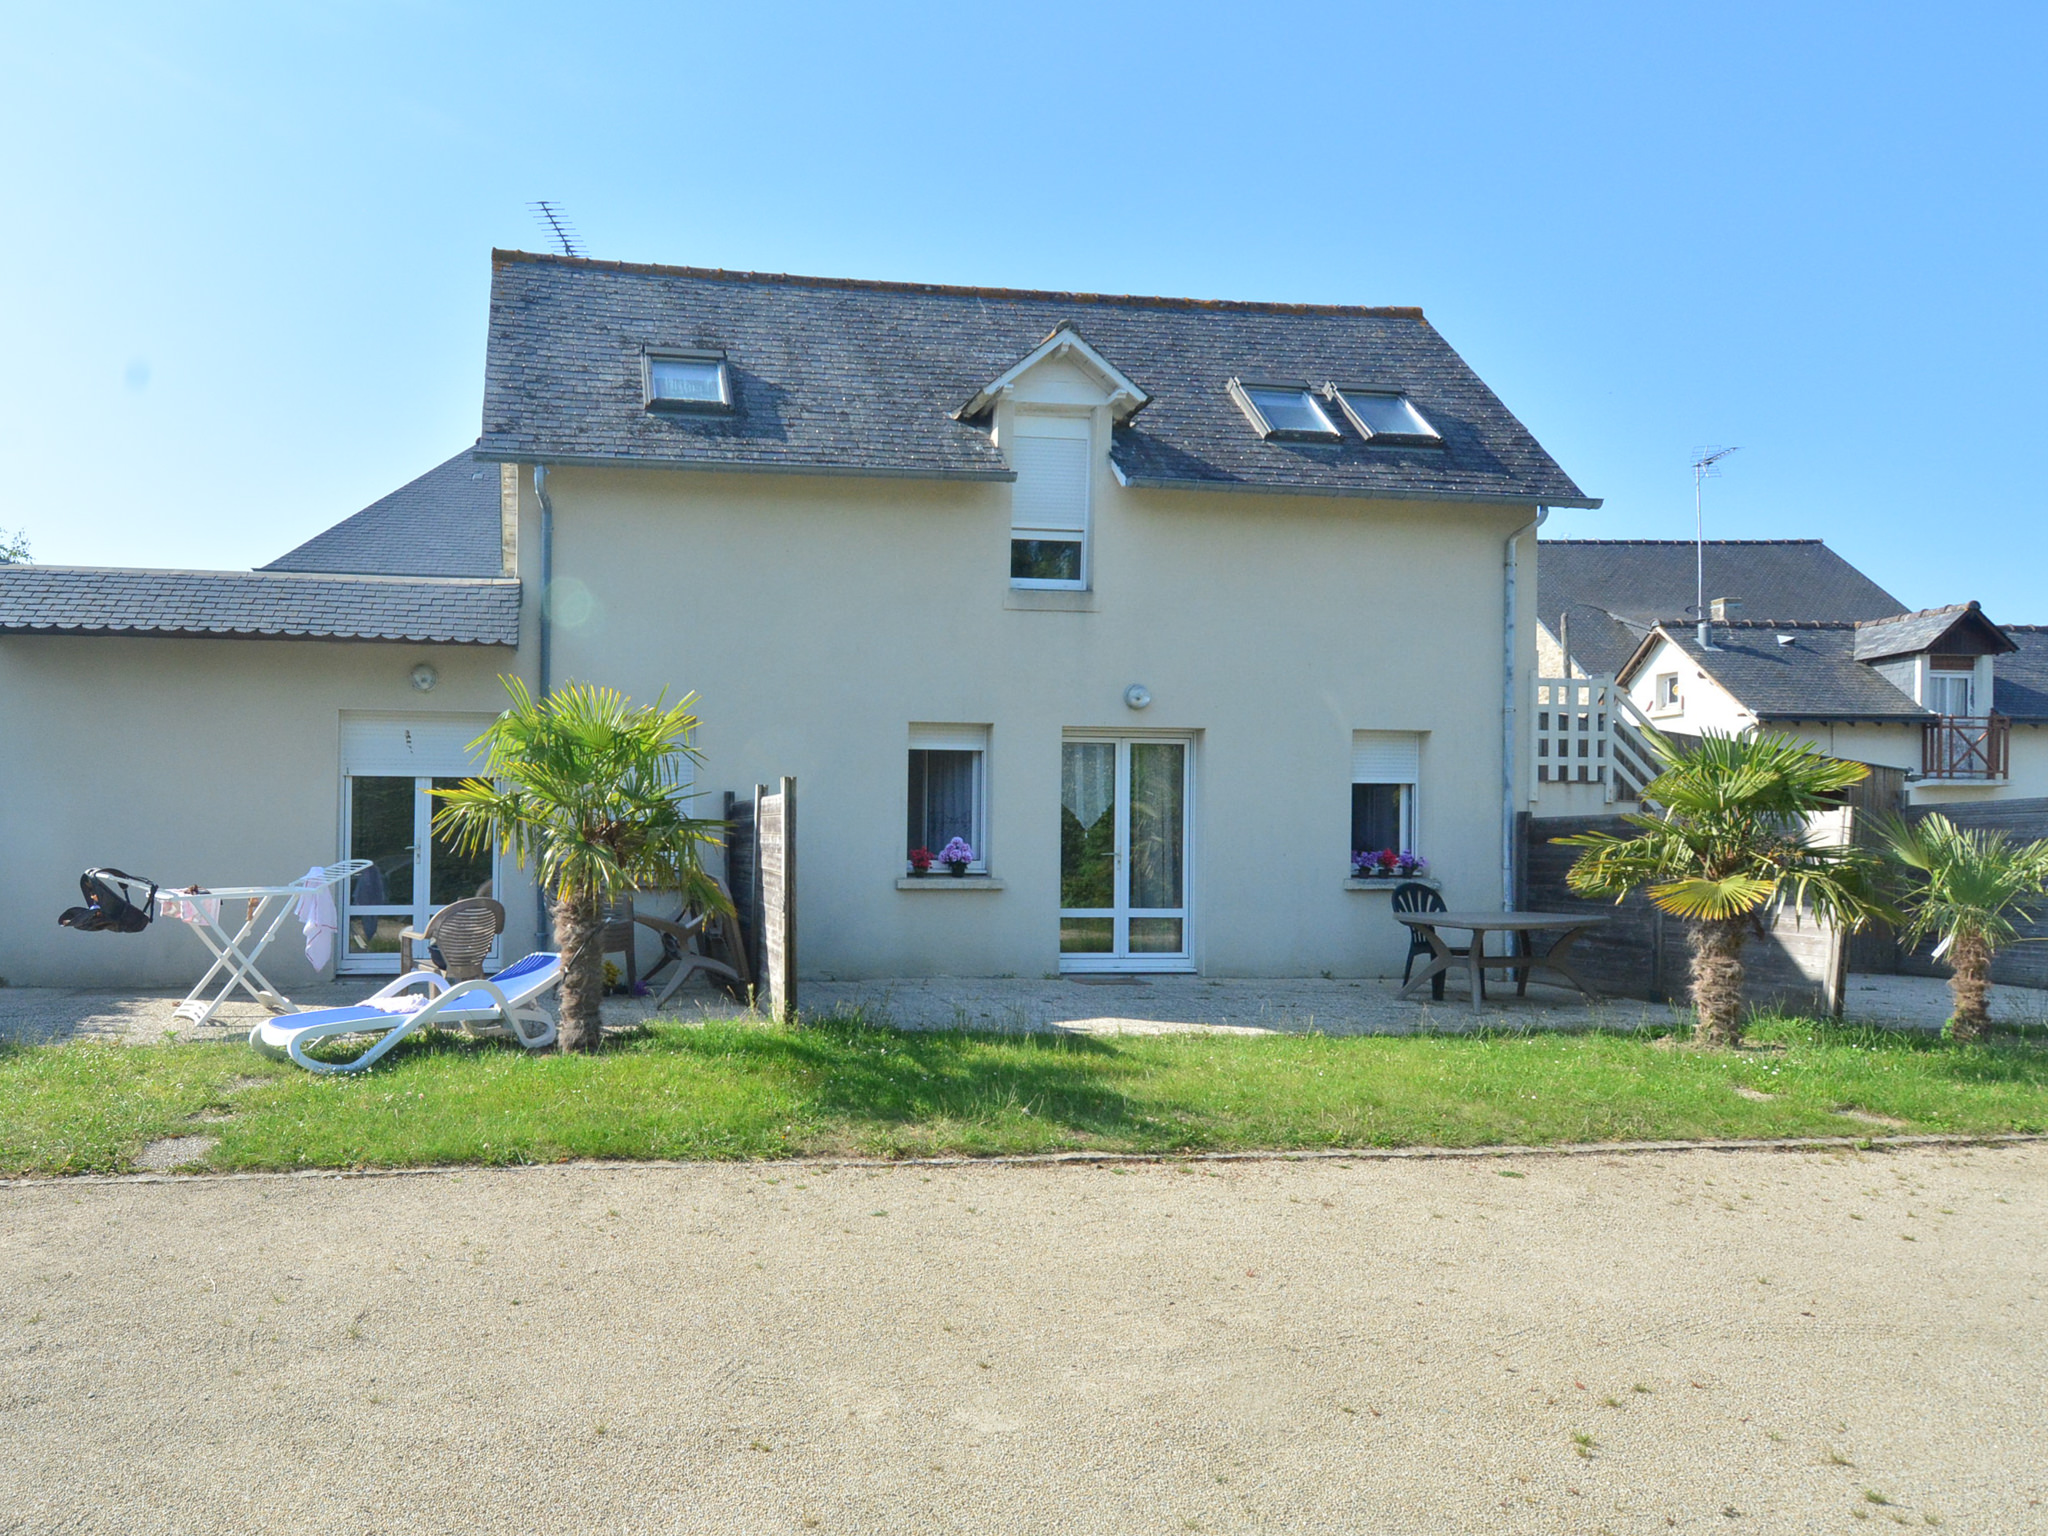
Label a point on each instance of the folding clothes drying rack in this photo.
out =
(267, 908)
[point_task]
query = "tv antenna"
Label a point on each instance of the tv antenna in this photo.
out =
(550, 217)
(1705, 466)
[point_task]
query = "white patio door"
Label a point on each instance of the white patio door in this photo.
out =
(1124, 867)
(389, 767)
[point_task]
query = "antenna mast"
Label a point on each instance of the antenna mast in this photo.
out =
(1704, 467)
(550, 218)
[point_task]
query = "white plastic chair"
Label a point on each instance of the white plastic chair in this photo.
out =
(506, 1003)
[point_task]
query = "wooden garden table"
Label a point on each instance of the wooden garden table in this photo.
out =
(1570, 926)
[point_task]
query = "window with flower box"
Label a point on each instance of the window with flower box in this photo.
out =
(948, 793)
(1385, 769)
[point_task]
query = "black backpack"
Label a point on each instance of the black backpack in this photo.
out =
(111, 904)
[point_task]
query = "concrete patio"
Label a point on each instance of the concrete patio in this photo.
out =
(1096, 1005)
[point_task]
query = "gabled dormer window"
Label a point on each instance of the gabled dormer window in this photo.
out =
(688, 381)
(1386, 418)
(1052, 453)
(1952, 685)
(1283, 412)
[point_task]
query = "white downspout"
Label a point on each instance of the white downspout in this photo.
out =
(1508, 700)
(541, 934)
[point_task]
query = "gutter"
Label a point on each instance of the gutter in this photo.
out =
(1362, 492)
(544, 668)
(1508, 695)
(733, 466)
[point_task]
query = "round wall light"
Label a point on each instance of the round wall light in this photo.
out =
(424, 677)
(1137, 695)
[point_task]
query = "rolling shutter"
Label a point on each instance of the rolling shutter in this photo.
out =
(1386, 757)
(415, 745)
(1051, 457)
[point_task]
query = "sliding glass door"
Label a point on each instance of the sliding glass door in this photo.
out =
(1124, 853)
(413, 873)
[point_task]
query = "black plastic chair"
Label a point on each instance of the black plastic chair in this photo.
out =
(1413, 896)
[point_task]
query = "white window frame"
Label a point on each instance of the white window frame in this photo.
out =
(1969, 678)
(1666, 683)
(1342, 393)
(1240, 391)
(1085, 416)
(668, 403)
(1121, 911)
(1410, 784)
(956, 738)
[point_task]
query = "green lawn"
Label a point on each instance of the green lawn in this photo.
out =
(746, 1090)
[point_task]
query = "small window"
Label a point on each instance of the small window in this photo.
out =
(1054, 461)
(1388, 418)
(1284, 411)
(1385, 767)
(1667, 701)
(687, 384)
(948, 794)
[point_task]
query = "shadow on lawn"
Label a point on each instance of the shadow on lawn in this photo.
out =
(866, 1073)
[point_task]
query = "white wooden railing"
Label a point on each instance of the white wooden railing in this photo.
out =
(1589, 731)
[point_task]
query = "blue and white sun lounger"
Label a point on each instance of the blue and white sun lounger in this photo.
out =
(506, 1003)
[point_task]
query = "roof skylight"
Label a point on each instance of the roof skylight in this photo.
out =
(687, 383)
(1284, 411)
(1388, 417)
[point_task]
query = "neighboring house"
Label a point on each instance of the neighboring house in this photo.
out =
(1167, 607)
(1802, 642)
(1598, 598)
(1958, 702)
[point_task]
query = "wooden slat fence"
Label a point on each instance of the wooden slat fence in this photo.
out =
(2021, 965)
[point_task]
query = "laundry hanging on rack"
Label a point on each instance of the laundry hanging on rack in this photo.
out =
(315, 910)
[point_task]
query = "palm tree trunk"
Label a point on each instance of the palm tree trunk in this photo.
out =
(579, 934)
(1970, 987)
(1717, 980)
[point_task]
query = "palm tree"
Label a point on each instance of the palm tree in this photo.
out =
(589, 788)
(1730, 844)
(1970, 888)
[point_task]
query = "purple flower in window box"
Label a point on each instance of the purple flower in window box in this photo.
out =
(957, 855)
(1411, 864)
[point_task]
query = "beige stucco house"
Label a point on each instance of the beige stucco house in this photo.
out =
(1165, 608)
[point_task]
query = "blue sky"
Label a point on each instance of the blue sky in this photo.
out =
(243, 281)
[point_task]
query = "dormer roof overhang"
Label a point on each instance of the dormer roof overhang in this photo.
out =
(1961, 629)
(1126, 399)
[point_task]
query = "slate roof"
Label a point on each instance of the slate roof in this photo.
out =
(80, 600)
(1911, 633)
(844, 377)
(445, 523)
(2019, 681)
(1641, 582)
(1818, 676)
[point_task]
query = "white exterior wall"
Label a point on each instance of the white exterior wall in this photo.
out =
(1704, 705)
(190, 761)
(817, 619)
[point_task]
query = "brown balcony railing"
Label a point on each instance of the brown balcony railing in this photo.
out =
(1966, 747)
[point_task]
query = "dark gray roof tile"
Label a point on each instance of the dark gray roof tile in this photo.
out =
(51, 599)
(1911, 633)
(849, 377)
(1816, 677)
(445, 523)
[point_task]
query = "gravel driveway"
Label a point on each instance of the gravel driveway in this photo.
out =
(1747, 1342)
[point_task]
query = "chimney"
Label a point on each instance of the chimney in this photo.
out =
(1727, 609)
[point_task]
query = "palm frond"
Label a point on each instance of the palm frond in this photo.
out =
(1963, 883)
